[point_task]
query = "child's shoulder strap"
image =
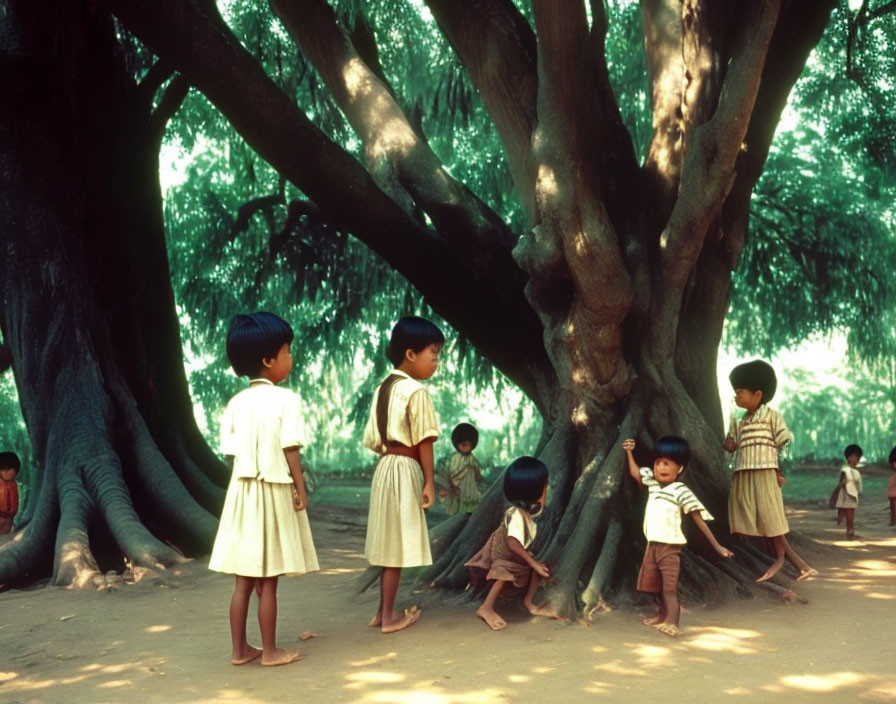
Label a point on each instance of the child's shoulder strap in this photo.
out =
(382, 404)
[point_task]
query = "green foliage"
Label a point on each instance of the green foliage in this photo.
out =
(14, 436)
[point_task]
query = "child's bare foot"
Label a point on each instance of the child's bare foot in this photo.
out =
(669, 629)
(307, 635)
(771, 571)
(807, 573)
(279, 657)
(408, 618)
(248, 655)
(651, 621)
(544, 611)
(490, 616)
(377, 620)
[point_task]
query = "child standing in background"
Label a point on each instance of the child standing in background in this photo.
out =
(891, 487)
(402, 428)
(9, 490)
(264, 530)
(464, 472)
(667, 500)
(755, 504)
(848, 489)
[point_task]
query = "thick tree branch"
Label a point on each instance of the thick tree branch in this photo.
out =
(170, 103)
(397, 156)
(497, 47)
(214, 62)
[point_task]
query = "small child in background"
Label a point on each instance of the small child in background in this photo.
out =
(755, 504)
(464, 472)
(667, 500)
(846, 495)
(9, 490)
(505, 558)
(891, 487)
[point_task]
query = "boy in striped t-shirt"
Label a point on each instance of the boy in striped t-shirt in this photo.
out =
(667, 500)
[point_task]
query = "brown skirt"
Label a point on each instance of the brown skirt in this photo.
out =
(755, 505)
(497, 561)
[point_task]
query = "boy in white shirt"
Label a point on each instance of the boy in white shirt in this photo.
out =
(667, 500)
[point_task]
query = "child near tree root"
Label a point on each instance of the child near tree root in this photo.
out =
(755, 504)
(464, 472)
(9, 490)
(402, 428)
(505, 558)
(667, 500)
(264, 531)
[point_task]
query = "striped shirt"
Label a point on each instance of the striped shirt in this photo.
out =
(665, 506)
(759, 438)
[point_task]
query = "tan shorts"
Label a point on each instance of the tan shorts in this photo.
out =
(662, 564)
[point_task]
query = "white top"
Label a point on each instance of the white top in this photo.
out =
(411, 417)
(853, 483)
(258, 423)
(760, 438)
(520, 525)
(665, 506)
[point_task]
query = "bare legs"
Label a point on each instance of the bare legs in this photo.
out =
(487, 611)
(267, 622)
(385, 615)
(782, 548)
(850, 522)
(778, 541)
(893, 512)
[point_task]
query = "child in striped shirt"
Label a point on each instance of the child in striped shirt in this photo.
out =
(755, 504)
(667, 500)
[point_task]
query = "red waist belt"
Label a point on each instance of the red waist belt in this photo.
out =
(403, 450)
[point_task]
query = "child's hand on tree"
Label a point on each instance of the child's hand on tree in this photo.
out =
(628, 445)
(729, 445)
(541, 569)
(724, 552)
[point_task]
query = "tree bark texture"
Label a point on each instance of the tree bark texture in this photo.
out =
(608, 309)
(88, 310)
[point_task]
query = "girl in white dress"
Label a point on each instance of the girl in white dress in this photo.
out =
(402, 427)
(263, 532)
(846, 495)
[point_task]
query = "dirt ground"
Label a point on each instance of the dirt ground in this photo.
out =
(166, 639)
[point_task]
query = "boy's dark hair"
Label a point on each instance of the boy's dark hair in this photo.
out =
(524, 482)
(853, 450)
(673, 448)
(253, 338)
(465, 432)
(412, 333)
(755, 376)
(893, 455)
(10, 460)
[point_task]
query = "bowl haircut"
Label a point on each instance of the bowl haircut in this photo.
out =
(253, 338)
(412, 333)
(755, 376)
(673, 448)
(852, 450)
(465, 432)
(10, 460)
(524, 482)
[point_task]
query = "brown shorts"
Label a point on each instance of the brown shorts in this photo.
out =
(662, 563)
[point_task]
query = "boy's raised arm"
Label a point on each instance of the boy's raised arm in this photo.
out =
(633, 469)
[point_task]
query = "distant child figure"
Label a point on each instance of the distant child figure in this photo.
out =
(846, 495)
(891, 487)
(264, 530)
(464, 472)
(402, 427)
(9, 490)
(505, 558)
(755, 504)
(667, 500)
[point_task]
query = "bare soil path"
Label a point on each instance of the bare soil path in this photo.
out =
(166, 639)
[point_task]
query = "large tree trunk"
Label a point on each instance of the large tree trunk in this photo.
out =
(87, 306)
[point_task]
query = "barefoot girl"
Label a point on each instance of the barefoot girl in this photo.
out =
(464, 472)
(264, 531)
(504, 557)
(849, 487)
(402, 428)
(755, 504)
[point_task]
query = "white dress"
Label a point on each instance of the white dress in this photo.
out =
(260, 533)
(396, 525)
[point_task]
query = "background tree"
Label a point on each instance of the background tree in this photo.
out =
(601, 292)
